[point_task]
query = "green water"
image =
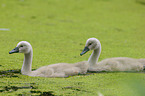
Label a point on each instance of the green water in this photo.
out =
(57, 31)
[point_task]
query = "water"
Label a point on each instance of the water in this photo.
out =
(4, 29)
(10, 73)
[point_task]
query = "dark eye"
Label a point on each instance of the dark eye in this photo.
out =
(21, 46)
(90, 43)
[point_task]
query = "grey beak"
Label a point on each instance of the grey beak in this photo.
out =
(86, 49)
(15, 50)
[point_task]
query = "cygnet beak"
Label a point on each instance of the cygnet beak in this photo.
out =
(86, 49)
(15, 50)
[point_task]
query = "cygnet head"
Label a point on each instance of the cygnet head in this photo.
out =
(91, 44)
(22, 47)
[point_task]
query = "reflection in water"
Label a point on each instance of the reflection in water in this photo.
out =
(32, 91)
(10, 73)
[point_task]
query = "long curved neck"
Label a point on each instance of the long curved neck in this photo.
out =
(26, 68)
(93, 59)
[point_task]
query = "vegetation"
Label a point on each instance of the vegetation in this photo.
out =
(57, 31)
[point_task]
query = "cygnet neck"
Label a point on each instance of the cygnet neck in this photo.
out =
(26, 68)
(93, 59)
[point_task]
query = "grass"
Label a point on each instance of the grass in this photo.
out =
(58, 30)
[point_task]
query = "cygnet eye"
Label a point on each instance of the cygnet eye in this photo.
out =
(90, 43)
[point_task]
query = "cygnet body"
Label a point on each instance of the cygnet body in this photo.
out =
(54, 70)
(110, 64)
